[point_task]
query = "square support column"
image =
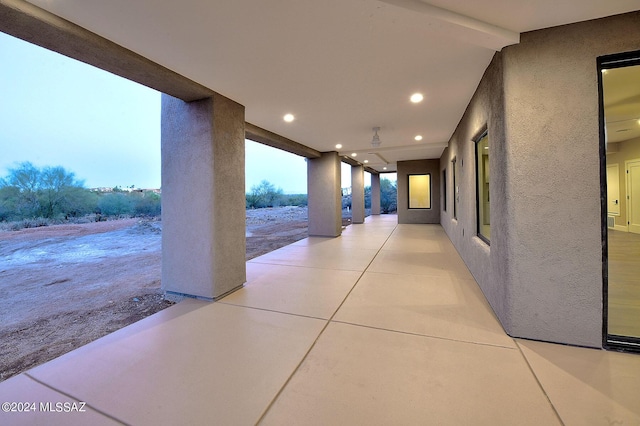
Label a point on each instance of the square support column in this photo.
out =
(357, 194)
(375, 194)
(324, 195)
(203, 197)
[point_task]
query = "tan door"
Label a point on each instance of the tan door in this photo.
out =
(613, 190)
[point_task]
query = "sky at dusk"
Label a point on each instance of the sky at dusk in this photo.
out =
(55, 111)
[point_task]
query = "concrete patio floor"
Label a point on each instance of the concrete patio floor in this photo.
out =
(383, 325)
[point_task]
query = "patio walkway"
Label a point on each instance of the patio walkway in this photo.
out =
(381, 326)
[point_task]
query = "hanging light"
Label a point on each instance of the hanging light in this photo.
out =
(376, 139)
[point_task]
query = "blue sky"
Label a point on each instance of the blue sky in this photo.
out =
(55, 111)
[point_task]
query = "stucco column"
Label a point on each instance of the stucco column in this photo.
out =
(357, 194)
(324, 195)
(203, 197)
(375, 194)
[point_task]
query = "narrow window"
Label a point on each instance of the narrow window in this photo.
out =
(444, 189)
(420, 191)
(456, 194)
(619, 81)
(482, 177)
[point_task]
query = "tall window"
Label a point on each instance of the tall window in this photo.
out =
(483, 196)
(444, 189)
(456, 195)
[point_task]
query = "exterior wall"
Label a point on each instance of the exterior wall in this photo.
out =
(406, 215)
(542, 273)
(488, 264)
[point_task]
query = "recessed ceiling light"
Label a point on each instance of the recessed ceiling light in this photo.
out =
(418, 138)
(354, 154)
(289, 118)
(384, 168)
(366, 161)
(338, 146)
(416, 97)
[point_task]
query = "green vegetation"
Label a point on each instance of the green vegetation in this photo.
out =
(388, 196)
(38, 196)
(265, 194)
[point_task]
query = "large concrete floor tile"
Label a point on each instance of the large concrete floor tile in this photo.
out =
(422, 245)
(295, 290)
(378, 228)
(357, 375)
(422, 304)
(587, 386)
(216, 363)
(419, 263)
(326, 256)
(364, 241)
(36, 404)
(420, 231)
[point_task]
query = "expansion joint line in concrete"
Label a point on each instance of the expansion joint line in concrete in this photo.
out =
(295, 370)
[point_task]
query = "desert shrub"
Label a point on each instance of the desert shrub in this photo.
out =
(29, 192)
(388, 196)
(115, 204)
(367, 197)
(146, 204)
(264, 194)
(8, 198)
(299, 200)
(78, 202)
(30, 223)
(346, 201)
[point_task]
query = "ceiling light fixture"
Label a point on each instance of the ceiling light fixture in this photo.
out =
(354, 154)
(289, 118)
(376, 139)
(366, 161)
(384, 168)
(416, 98)
(418, 138)
(338, 146)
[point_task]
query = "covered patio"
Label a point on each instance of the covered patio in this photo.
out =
(382, 325)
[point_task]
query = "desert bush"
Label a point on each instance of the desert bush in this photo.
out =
(146, 204)
(29, 192)
(264, 194)
(298, 200)
(30, 223)
(115, 204)
(388, 196)
(367, 197)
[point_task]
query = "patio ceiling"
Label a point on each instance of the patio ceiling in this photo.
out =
(341, 67)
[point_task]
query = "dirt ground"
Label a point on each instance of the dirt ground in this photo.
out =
(64, 286)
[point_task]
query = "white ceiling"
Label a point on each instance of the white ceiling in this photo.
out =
(621, 96)
(340, 66)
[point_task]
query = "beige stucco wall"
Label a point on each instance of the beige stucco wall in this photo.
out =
(324, 194)
(488, 264)
(542, 273)
(203, 196)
